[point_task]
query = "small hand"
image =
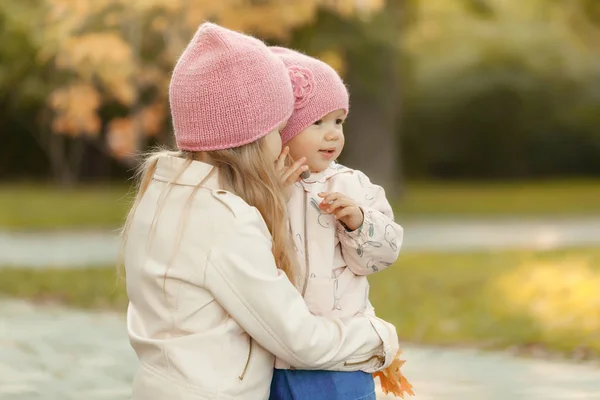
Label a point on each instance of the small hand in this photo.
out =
(290, 174)
(344, 208)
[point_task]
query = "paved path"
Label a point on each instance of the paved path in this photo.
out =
(51, 353)
(100, 248)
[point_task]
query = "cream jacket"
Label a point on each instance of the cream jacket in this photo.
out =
(209, 310)
(335, 262)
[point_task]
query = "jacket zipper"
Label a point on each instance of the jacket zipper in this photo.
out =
(349, 364)
(241, 377)
(307, 274)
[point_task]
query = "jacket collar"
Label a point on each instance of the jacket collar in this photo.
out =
(322, 177)
(180, 171)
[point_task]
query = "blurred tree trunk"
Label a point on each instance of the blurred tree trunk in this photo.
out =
(373, 77)
(65, 158)
(371, 139)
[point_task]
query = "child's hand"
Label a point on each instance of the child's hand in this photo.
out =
(290, 174)
(344, 208)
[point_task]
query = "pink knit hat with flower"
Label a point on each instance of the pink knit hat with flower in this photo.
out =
(318, 90)
(227, 90)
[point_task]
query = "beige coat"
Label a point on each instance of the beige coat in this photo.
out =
(209, 310)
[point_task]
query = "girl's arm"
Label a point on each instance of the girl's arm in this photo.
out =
(242, 276)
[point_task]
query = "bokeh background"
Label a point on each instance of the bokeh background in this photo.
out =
(480, 117)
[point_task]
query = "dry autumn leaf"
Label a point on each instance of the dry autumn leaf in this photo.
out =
(392, 380)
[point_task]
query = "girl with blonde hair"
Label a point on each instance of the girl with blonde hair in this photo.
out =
(207, 253)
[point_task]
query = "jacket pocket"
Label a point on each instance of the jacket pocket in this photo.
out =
(319, 296)
(366, 364)
(378, 359)
(247, 365)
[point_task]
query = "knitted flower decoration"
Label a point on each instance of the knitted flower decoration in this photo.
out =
(303, 84)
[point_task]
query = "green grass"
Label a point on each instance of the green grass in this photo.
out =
(489, 300)
(47, 207)
(552, 199)
(526, 299)
(96, 288)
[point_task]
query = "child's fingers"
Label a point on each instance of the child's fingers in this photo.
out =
(344, 212)
(336, 199)
(299, 163)
(295, 175)
(329, 198)
(280, 164)
(295, 169)
(339, 202)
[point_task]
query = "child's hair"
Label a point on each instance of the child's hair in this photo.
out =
(245, 172)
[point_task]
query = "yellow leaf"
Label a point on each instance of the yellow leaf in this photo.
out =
(121, 138)
(75, 109)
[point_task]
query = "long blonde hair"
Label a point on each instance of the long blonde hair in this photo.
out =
(244, 171)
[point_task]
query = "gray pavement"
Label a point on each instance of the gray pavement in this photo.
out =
(87, 248)
(54, 353)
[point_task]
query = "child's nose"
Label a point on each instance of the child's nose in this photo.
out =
(332, 135)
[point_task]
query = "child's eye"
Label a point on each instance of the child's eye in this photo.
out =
(319, 122)
(339, 121)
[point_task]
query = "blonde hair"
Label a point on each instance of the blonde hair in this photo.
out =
(244, 171)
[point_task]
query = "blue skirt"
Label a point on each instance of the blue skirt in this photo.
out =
(321, 385)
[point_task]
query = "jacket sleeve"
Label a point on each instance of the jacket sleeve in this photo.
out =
(243, 278)
(376, 244)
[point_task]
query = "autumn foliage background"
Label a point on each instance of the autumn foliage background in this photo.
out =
(465, 89)
(481, 112)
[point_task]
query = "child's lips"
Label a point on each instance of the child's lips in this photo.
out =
(328, 153)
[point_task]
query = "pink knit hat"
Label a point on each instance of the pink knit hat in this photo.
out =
(227, 90)
(318, 90)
